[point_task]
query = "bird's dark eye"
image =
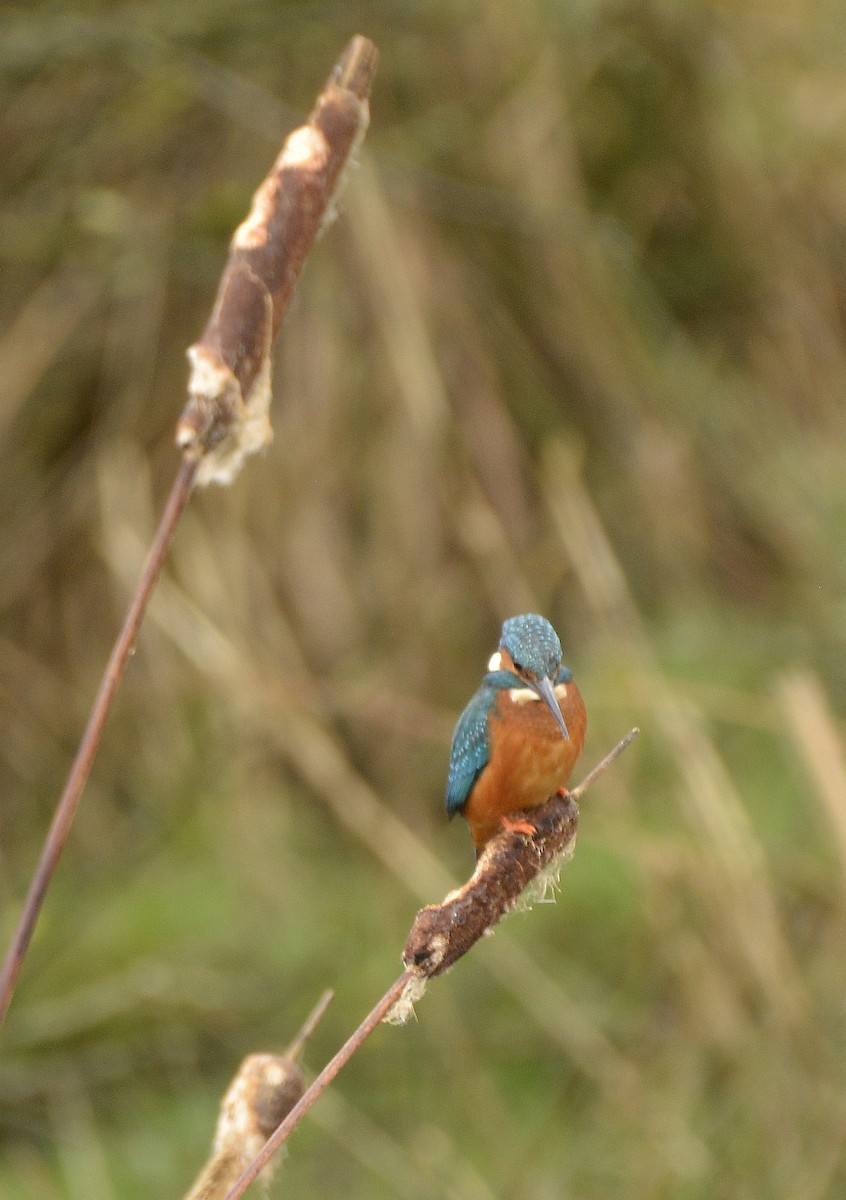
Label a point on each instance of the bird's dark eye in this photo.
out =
(517, 666)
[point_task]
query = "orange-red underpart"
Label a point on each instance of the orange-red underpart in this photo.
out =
(529, 761)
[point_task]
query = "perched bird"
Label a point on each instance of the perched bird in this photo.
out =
(518, 739)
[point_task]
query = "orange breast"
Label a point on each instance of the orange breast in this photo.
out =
(530, 760)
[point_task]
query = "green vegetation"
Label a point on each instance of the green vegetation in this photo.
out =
(576, 345)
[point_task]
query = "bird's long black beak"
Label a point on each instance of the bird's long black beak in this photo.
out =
(546, 690)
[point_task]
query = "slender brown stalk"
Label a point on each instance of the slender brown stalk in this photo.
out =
(577, 792)
(319, 1086)
(308, 1027)
(81, 767)
(226, 417)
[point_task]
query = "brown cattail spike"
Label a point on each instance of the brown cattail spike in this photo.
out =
(227, 414)
(508, 864)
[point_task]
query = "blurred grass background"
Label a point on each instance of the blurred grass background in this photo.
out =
(575, 345)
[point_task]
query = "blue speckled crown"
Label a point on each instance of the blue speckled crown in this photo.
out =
(532, 643)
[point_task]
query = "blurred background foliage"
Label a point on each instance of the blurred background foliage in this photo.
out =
(575, 345)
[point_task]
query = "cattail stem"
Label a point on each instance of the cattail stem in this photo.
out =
(81, 767)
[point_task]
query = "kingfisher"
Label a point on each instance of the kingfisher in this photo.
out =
(518, 739)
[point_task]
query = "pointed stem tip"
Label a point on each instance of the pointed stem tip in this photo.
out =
(356, 67)
(578, 792)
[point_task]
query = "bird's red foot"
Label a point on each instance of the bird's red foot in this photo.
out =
(563, 793)
(518, 826)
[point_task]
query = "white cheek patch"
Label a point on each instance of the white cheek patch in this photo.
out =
(495, 662)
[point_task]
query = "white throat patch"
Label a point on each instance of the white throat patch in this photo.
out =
(524, 695)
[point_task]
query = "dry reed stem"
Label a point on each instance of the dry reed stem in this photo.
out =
(31, 342)
(229, 390)
(81, 767)
(811, 726)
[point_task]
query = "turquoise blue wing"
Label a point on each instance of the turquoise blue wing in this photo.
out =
(470, 749)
